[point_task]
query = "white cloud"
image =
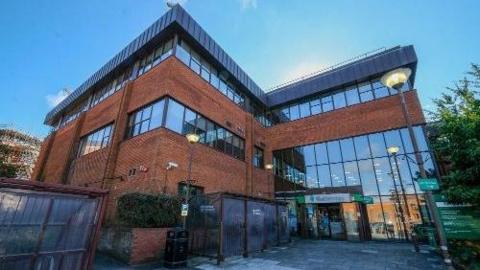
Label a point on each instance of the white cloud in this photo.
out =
(55, 99)
(246, 4)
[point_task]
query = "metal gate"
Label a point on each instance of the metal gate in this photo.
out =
(42, 228)
(223, 224)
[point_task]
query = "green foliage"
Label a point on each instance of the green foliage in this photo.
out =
(6, 170)
(148, 211)
(466, 254)
(457, 123)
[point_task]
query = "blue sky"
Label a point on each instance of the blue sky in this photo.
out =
(46, 46)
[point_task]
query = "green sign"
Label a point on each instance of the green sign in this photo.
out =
(460, 221)
(300, 199)
(367, 199)
(362, 199)
(428, 184)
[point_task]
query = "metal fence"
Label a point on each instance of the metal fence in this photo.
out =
(47, 227)
(222, 225)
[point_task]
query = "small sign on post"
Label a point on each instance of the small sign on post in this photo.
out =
(428, 184)
(184, 210)
(362, 199)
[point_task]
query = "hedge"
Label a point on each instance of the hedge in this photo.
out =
(139, 210)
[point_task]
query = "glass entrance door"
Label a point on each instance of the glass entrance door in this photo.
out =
(330, 222)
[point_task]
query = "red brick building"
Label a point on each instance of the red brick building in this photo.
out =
(121, 128)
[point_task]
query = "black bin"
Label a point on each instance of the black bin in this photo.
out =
(176, 248)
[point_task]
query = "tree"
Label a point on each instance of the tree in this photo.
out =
(457, 124)
(6, 170)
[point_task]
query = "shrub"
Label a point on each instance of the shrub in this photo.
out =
(141, 210)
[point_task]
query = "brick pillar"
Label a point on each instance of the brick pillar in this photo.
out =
(72, 149)
(249, 144)
(121, 122)
(42, 159)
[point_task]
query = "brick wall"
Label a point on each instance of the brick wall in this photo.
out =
(212, 170)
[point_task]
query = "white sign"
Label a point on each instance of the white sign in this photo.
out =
(207, 208)
(328, 198)
(184, 210)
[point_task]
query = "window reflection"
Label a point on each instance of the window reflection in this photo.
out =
(336, 172)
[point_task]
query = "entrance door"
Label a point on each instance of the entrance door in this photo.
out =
(330, 222)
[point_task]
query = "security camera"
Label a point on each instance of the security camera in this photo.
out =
(171, 165)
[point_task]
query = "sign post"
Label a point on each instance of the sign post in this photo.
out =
(184, 212)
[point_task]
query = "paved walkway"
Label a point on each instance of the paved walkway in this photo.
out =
(325, 255)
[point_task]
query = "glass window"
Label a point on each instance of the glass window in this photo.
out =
(352, 95)
(334, 154)
(348, 152)
(380, 89)
(351, 173)
(362, 147)
(377, 145)
(311, 177)
(428, 165)
(211, 134)
(339, 100)
(189, 122)
(214, 80)
(407, 142)
(228, 142)
(420, 137)
(324, 176)
(194, 65)
(294, 112)
(309, 154)
(95, 141)
(392, 138)
(305, 109)
(404, 173)
(327, 103)
(369, 183)
(183, 53)
(258, 157)
(220, 143)
(384, 176)
(321, 153)
(201, 128)
(336, 171)
(365, 90)
(157, 114)
(285, 114)
(315, 106)
(174, 119)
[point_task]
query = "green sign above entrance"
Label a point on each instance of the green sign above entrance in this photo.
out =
(427, 184)
(362, 199)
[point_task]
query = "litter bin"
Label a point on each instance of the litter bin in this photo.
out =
(176, 248)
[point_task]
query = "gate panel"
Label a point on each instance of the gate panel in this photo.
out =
(233, 227)
(45, 230)
(284, 234)
(255, 226)
(270, 225)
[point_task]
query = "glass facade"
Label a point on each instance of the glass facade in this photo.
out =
(258, 157)
(96, 140)
(363, 161)
(196, 63)
(173, 115)
(347, 96)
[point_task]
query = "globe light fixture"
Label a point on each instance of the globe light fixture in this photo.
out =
(396, 78)
(393, 150)
(268, 166)
(192, 138)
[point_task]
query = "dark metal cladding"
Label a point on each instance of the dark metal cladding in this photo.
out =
(356, 71)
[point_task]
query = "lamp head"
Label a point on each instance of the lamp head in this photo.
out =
(192, 138)
(393, 150)
(268, 166)
(396, 78)
(171, 165)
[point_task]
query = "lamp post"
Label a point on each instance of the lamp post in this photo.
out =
(192, 139)
(393, 150)
(269, 167)
(396, 79)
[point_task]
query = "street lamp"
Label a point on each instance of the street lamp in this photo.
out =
(192, 139)
(269, 167)
(396, 79)
(393, 150)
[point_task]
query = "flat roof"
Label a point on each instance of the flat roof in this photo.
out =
(178, 20)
